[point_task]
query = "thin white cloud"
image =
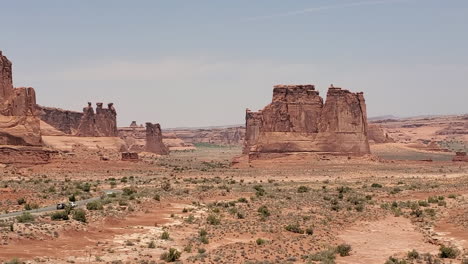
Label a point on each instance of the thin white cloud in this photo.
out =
(323, 8)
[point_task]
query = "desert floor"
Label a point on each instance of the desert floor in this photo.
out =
(296, 209)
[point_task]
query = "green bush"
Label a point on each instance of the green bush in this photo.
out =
(72, 198)
(376, 185)
(171, 256)
(295, 228)
(343, 249)
(309, 231)
(413, 254)
(21, 201)
(448, 252)
(213, 220)
(79, 215)
(60, 215)
(263, 210)
(128, 191)
(302, 189)
(165, 235)
(152, 244)
(94, 205)
(25, 218)
(260, 241)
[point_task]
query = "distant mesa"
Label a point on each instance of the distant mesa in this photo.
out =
(297, 120)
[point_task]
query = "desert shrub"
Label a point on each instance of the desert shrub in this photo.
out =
(25, 218)
(85, 187)
(157, 197)
(94, 205)
(295, 228)
(213, 220)
(128, 191)
(432, 199)
(79, 215)
(302, 189)
(326, 256)
(152, 244)
(448, 252)
(423, 203)
(165, 235)
(260, 241)
(201, 251)
(309, 231)
(263, 210)
(21, 201)
(72, 198)
(376, 185)
(240, 215)
(259, 190)
(413, 254)
(171, 256)
(61, 215)
(190, 219)
(343, 249)
(15, 261)
(452, 196)
(392, 260)
(242, 200)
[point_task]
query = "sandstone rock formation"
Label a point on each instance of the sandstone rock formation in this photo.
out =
(378, 135)
(63, 120)
(19, 124)
(298, 121)
(154, 139)
(103, 123)
(135, 138)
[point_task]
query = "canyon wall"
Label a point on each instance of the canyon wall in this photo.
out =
(19, 123)
(297, 120)
(216, 135)
(62, 120)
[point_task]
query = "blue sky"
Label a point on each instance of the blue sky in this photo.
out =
(200, 63)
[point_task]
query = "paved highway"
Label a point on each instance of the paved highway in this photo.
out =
(52, 208)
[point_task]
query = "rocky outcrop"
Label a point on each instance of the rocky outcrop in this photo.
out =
(154, 139)
(102, 123)
(63, 120)
(298, 121)
(25, 155)
(130, 156)
(19, 124)
(377, 135)
(460, 156)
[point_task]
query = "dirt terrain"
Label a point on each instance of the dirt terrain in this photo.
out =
(300, 208)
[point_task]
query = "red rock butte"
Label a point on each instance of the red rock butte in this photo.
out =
(297, 120)
(19, 123)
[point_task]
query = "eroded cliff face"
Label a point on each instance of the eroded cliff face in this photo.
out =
(298, 121)
(102, 123)
(63, 120)
(19, 123)
(154, 139)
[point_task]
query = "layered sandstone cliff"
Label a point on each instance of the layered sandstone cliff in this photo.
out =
(19, 123)
(297, 120)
